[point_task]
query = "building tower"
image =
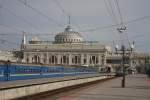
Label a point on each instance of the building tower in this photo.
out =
(23, 40)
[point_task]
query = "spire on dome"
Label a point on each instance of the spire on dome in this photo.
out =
(69, 20)
(68, 28)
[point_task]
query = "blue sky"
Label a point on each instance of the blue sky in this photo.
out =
(85, 14)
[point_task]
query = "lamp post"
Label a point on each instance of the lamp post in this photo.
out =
(123, 65)
(124, 51)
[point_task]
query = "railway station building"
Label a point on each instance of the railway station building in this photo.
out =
(68, 48)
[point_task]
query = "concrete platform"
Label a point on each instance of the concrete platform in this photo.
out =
(30, 82)
(137, 88)
(17, 89)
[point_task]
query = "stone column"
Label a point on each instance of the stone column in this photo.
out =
(99, 59)
(58, 59)
(87, 59)
(104, 59)
(47, 58)
(41, 57)
(82, 59)
(30, 58)
(70, 59)
(24, 58)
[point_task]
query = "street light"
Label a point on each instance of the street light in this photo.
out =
(124, 51)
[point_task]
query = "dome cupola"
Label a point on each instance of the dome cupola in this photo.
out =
(35, 40)
(69, 36)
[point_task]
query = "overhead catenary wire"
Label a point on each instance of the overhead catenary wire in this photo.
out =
(21, 18)
(119, 11)
(10, 27)
(61, 8)
(122, 21)
(41, 14)
(9, 42)
(111, 26)
(65, 12)
(14, 28)
(136, 37)
(31, 34)
(18, 31)
(111, 12)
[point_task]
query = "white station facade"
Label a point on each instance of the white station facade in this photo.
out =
(69, 48)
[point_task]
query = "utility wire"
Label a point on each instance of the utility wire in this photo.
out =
(137, 19)
(41, 13)
(64, 11)
(18, 17)
(31, 34)
(110, 10)
(110, 26)
(136, 37)
(122, 22)
(9, 27)
(61, 8)
(21, 18)
(112, 14)
(19, 30)
(9, 42)
(119, 11)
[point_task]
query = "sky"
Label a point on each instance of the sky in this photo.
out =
(96, 20)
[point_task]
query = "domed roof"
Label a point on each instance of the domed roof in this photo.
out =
(69, 36)
(35, 38)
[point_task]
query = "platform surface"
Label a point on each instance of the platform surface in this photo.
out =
(137, 88)
(22, 83)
